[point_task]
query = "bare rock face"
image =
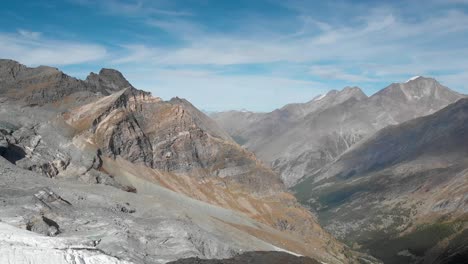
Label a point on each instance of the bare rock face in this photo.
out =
(24, 147)
(43, 225)
(47, 85)
(36, 86)
(109, 80)
(170, 136)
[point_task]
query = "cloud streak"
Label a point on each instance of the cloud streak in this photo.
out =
(376, 37)
(32, 49)
(133, 8)
(382, 46)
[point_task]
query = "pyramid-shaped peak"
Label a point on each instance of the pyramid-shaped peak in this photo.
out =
(109, 79)
(352, 89)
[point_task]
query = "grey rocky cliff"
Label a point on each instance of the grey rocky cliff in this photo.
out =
(172, 136)
(108, 79)
(46, 85)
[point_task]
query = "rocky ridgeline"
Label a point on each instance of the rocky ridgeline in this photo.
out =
(155, 180)
(45, 85)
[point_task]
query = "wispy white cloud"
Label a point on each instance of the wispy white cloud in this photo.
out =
(374, 38)
(336, 73)
(29, 34)
(382, 46)
(32, 49)
(179, 27)
(379, 45)
(134, 8)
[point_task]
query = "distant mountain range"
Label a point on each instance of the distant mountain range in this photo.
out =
(403, 192)
(299, 139)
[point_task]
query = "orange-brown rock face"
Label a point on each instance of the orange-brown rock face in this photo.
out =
(173, 144)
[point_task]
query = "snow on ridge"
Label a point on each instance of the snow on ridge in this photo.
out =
(320, 97)
(412, 79)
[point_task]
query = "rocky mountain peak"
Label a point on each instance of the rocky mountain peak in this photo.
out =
(109, 79)
(352, 89)
(335, 96)
(11, 71)
(48, 69)
(353, 92)
(427, 90)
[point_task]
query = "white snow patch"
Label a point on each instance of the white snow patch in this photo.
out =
(286, 251)
(412, 79)
(320, 97)
(21, 246)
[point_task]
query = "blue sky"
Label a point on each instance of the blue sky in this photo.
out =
(243, 54)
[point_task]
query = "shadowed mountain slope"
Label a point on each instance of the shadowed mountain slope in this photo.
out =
(402, 193)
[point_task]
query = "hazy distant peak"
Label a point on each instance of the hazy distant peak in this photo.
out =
(319, 97)
(333, 92)
(354, 90)
(346, 93)
(428, 92)
(346, 90)
(351, 88)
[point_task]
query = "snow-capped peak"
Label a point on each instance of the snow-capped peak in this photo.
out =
(412, 79)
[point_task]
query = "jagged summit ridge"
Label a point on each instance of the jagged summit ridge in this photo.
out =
(110, 79)
(46, 85)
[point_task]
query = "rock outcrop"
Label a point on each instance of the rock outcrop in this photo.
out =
(109, 80)
(46, 85)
